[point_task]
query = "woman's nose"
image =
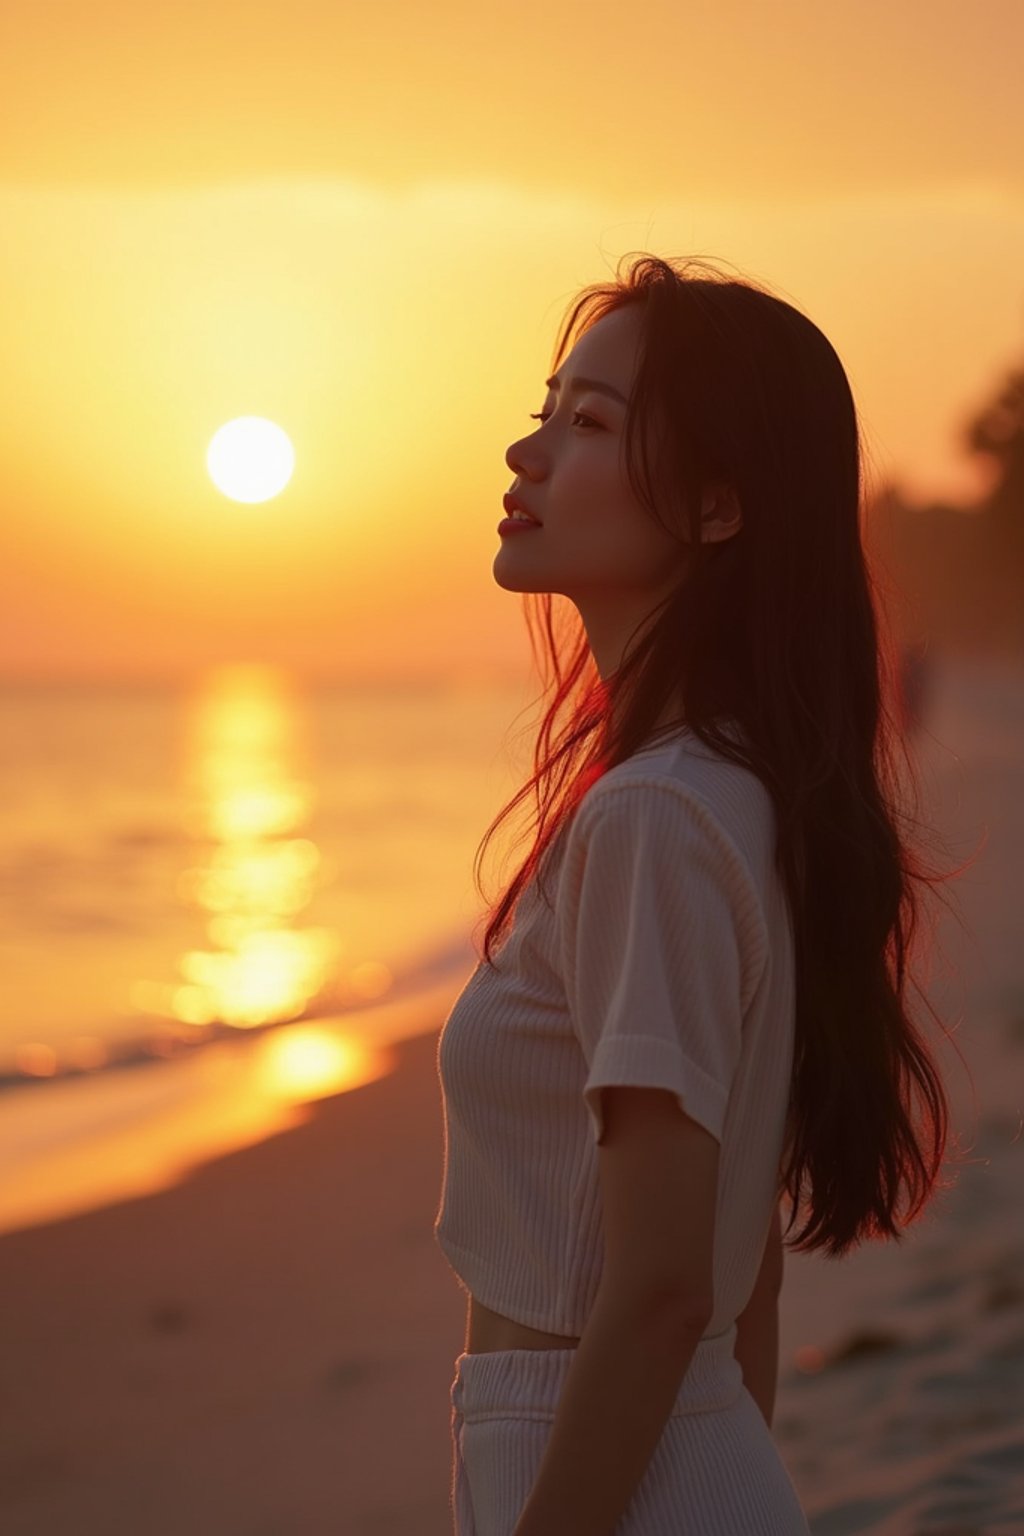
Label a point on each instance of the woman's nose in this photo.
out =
(517, 457)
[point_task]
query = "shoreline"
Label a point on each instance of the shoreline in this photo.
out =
(81, 1143)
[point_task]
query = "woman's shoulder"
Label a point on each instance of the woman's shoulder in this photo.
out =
(724, 796)
(686, 764)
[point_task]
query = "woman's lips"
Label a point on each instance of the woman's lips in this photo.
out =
(516, 525)
(513, 504)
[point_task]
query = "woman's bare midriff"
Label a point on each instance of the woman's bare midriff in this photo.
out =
(487, 1331)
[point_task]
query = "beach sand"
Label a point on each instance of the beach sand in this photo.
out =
(267, 1347)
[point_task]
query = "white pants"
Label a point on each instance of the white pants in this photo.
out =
(716, 1471)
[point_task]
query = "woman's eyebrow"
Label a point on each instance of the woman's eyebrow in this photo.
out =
(580, 383)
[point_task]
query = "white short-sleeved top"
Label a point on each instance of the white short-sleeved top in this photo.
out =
(666, 962)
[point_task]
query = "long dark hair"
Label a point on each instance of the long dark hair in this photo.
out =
(779, 628)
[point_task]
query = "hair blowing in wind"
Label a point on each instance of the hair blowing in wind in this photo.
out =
(783, 628)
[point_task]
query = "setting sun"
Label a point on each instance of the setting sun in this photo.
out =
(250, 459)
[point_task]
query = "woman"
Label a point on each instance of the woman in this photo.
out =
(700, 1001)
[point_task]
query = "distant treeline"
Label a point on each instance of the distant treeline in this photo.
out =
(957, 572)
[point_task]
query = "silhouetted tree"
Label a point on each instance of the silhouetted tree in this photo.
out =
(957, 572)
(998, 431)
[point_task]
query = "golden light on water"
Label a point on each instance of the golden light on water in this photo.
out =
(306, 1062)
(254, 872)
(208, 1103)
(250, 459)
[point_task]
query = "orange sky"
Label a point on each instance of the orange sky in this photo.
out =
(365, 223)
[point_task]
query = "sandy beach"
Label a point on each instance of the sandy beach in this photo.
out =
(267, 1347)
(264, 1348)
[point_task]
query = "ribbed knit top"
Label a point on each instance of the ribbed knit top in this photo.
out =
(667, 961)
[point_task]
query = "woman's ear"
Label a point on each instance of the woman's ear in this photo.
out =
(721, 515)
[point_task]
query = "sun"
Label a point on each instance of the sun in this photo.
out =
(250, 458)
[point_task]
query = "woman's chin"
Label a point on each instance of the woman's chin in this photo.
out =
(514, 579)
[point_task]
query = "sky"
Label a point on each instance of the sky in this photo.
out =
(366, 223)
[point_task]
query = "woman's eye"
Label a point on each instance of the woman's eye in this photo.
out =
(543, 416)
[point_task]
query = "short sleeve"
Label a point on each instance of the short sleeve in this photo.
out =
(662, 940)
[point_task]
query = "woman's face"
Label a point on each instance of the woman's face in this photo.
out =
(597, 545)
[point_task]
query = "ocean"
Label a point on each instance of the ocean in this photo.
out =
(222, 894)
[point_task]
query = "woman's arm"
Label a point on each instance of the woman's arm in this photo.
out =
(618, 1394)
(757, 1350)
(757, 1327)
